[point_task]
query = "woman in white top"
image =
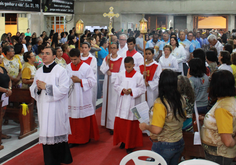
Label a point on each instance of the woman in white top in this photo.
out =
(178, 52)
(224, 60)
(168, 61)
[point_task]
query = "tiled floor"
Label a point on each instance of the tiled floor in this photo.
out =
(14, 146)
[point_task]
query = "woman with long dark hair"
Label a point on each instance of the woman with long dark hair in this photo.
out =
(167, 119)
(178, 52)
(55, 40)
(200, 83)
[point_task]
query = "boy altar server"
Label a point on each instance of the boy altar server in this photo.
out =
(130, 86)
(81, 110)
(89, 59)
(116, 65)
(152, 73)
(50, 90)
(137, 57)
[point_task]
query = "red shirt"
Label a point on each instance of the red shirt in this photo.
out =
(66, 58)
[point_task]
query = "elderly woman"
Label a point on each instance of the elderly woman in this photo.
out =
(167, 119)
(200, 82)
(168, 61)
(219, 128)
(29, 70)
(224, 60)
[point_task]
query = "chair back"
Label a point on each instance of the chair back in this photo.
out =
(159, 160)
(198, 162)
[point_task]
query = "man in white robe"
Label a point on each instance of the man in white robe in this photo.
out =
(89, 59)
(111, 66)
(81, 111)
(138, 58)
(50, 90)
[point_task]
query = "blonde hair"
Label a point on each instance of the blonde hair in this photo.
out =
(168, 46)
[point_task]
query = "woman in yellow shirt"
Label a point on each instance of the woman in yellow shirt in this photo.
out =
(233, 65)
(219, 128)
(29, 70)
(167, 121)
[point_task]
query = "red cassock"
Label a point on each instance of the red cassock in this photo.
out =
(83, 129)
(127, 131)
(150, 71)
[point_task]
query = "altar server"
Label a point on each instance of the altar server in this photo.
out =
(112, 65)
(152, 73)
(81, 111)
(130, 86)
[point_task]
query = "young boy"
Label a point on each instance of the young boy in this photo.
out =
(152, 73)
(138, 58)
(81, 111)
(130, 86)
(111, 66)
(89, 59)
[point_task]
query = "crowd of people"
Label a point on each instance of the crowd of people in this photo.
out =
(182, 69)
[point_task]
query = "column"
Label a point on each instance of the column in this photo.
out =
(231, 22)
(170, 21)
(189, 22)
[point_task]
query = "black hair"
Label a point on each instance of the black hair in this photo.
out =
(168, 92)
(7, 49)
(116, 43)
(172, 33)
(18, 47)
(62, 34)
(229, 48)
(211, 56)
(55, 39)
(52, 49)
(27, 38)
(151, 49)
(222, 84)
(129, 60)
(103, 41)
(74, 53)
(195, 67)
(176, 40)
(86, 43)
(70, 38)
(40, 48)
(131, 39)
(199, 53)
(225, 57)
(26, 56)
(45, 39)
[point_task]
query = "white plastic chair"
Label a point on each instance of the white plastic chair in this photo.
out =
(135, 155)
(198, 162)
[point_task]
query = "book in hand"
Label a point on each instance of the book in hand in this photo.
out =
(141, 112)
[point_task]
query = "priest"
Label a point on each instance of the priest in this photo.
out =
(50, 90)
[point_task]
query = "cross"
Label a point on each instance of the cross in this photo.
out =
(110, 15)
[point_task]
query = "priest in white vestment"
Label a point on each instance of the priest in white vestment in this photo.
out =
(50, 90)
(81, 110)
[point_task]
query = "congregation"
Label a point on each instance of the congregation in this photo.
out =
(183, 69)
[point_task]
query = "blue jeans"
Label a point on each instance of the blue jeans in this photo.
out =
(185, 68)
(171, 152)
(202, 110)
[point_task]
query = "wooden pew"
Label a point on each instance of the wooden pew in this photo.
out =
(1, 119)
(14, 111)
(190, 150)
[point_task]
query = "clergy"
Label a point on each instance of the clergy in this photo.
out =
(129, 85)
(89, 59)
(81, 110)
(50, 90)
(151, 76)
(111, 66)
(138, 58)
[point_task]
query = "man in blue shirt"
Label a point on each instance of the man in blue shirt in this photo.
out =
(192, 39)
(188, 48)
(39, 41)
(156, 44)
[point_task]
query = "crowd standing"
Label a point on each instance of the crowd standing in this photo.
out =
(182, 68)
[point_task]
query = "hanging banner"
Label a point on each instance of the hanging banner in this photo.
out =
(58, 6)
(20, 5)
